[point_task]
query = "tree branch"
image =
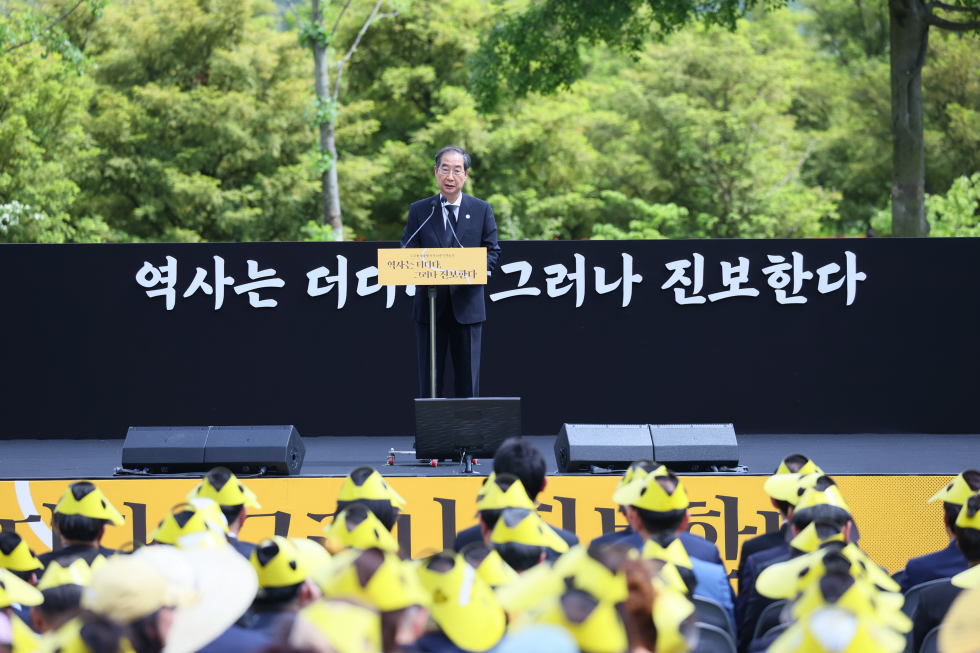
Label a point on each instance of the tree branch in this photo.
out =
(367, 24)
(298, 17)
(61, 18)
(953, 26)
(806, 155)
(337, 24)
(946, 7)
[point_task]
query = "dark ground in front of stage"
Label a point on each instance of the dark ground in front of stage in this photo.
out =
(333, 456)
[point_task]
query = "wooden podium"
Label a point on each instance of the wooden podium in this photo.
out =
(432, 267)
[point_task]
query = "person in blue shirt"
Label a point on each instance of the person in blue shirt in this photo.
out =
(949, 561)
(655, 505)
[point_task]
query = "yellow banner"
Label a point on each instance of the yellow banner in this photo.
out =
(432, 266)
(891, 511)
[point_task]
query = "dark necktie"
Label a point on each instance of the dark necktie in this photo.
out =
(451, 212)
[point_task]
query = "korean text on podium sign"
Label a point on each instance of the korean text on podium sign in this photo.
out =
(432, 266)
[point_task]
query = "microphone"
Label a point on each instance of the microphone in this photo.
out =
(434, 204)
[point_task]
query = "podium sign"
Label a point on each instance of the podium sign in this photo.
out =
(432, 266)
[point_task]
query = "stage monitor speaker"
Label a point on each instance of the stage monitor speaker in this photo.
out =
(446, 427)
(242, 449)
(681, 447)
(610, 446)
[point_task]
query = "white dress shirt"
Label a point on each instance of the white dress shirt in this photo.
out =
(445, 212)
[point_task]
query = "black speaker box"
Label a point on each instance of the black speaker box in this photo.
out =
(444, 427)
(242, 449)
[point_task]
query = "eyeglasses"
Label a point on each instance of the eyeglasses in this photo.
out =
(445, 171)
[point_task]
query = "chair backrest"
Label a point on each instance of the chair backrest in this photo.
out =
(768, 619)
(775, 631)
(712, 639)
(712, 612)
(912, 602)
(899, 575)
(931, 643)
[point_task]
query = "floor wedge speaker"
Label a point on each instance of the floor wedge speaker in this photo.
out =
(694, 447)
(610, 446)
(242, 449)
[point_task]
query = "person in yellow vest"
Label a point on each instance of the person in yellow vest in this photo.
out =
(235, 499)
(285, 584)
(80, 520)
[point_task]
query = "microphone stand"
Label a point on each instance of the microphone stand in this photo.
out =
(432, 338)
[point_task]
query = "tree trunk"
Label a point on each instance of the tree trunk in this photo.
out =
(909, 42)
(330, 190)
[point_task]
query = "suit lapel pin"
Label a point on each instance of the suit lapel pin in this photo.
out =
(467, 216)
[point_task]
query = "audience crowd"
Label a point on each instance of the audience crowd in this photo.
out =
(511, 584)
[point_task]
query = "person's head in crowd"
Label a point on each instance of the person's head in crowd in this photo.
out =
(519, 457)
(823, 502)
(464, 609)
(191, 524)
(357, 527)
(17, 558)
(954, 495)
(366, 486)
(235, 499)
(503, 491)
(382, 581)
(61, 588)
(488, 564)
(83, 514)
(967, 530)
(14, 591)
(655, 505)
(596, 625)
(285, 584)
(783, 484)
(523, 539)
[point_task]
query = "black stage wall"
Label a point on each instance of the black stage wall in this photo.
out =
(86, 353)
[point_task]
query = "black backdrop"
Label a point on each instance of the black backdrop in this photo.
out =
(86, 353)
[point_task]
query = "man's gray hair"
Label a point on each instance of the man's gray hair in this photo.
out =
(458, 150)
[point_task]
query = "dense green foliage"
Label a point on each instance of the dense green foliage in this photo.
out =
(193, 120)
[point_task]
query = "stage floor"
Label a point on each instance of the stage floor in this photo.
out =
(335, 456)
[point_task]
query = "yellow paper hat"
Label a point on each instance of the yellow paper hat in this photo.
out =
(200, 515)
(809, 467)
(230, 493)
(93, 505)
(828, 497)
(789, 487)
(536, 586)
(785, 580)
(957, 491)
(495, 498)
(356, 527)
(310, 553)
(374, 488)
(670, 577)
(579, 570)
(637, 470)
(14, 590)
(861, 599)
(595, 625)
(815, 535)
(834, 630)
(967, 520)
(20, 558)
(393, 585)
(463, 604)
(674, 553)
(673, 615)
(967, 579)
(523, 526)
(647, 493)
(23, 637)
(347, 628)
(489, 565)
(77, 573)
(483, 488)
(277, 563)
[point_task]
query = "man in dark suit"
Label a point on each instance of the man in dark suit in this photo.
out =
(519, 457)
(452, 219)
(949, 561)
